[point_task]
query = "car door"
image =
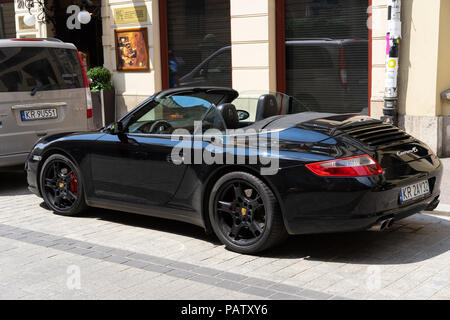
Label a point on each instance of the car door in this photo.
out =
(136, 166)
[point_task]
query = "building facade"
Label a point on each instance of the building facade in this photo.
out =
(330, 54)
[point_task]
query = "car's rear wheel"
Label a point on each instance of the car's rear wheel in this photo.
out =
(245, 214)
(62, 186)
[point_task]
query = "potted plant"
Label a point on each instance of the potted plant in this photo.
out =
(103, 96)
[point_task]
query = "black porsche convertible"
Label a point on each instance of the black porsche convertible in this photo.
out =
(332, 172)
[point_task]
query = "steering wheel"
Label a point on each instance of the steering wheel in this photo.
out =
(160, 126)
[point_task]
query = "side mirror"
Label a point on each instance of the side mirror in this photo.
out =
(243, 115)
(116, 128)
(202, 73)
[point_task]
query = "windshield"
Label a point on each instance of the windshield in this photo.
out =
(164, 116)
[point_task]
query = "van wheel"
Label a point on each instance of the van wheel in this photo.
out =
(62, 186)
(245, 214)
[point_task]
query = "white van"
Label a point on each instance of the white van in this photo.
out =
(43, 90)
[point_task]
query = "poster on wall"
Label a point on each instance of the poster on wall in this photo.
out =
(132, 49)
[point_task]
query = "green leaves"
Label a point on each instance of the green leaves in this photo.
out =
(101, 78)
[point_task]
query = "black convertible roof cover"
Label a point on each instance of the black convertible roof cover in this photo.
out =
(290, 120)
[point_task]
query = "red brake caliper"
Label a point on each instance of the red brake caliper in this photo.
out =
(73, 187)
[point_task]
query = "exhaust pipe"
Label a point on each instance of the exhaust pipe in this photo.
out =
(382, 225)
(433, 205)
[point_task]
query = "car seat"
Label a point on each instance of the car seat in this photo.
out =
(267, 107)
(229, 115)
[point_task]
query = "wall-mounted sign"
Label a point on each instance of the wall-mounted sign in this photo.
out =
(130, 15)
(132, 49)
(23, 26)
(20, 4)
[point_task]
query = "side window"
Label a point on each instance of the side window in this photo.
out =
(300, 57)
(220, 63)
(169, 114)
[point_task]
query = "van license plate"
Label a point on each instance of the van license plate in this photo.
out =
(415, 191)
(42, 114)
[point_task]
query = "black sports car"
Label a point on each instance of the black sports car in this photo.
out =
(329, 172)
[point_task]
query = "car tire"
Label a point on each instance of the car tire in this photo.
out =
(60, 180)
(246, 214)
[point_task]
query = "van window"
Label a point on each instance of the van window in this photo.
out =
(23, 69)
(300, 57)
(220, 63)
(357, 56)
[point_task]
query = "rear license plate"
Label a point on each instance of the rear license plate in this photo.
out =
(415, 191)
(42, 114)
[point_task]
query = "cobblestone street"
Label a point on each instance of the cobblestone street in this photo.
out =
(113, 255)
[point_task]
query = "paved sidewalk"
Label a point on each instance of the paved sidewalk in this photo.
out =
(113, 255)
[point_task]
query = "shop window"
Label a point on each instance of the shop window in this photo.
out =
(7, 19)
(194, 8)
(199, 40)
(327, 54)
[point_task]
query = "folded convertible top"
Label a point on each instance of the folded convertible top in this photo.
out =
(287, 121)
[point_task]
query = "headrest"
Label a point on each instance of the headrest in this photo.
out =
(267, 107)
(229, 115)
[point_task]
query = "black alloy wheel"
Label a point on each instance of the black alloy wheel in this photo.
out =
(245, 214)
(61, 186)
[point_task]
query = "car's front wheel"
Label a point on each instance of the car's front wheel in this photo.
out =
(245, 214)
(62, 186)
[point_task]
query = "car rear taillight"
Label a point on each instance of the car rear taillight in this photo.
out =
(342, 68)
(89, 111)
(359, 166)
